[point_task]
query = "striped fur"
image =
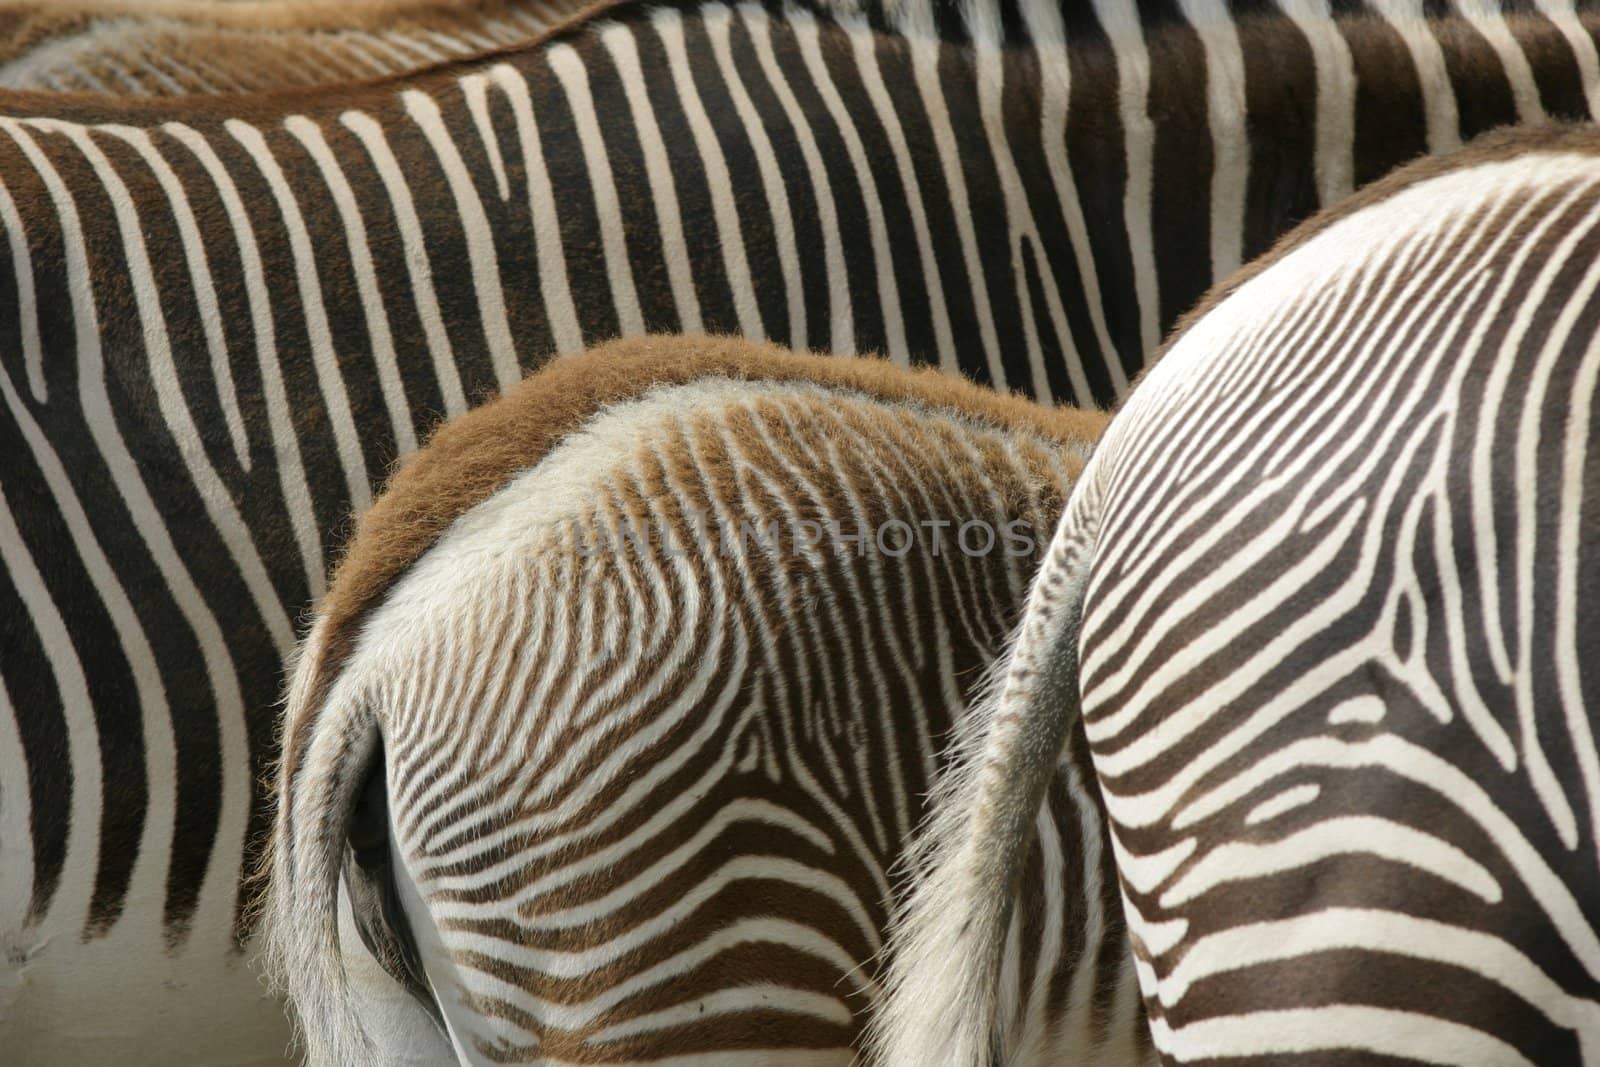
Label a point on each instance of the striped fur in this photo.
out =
(1323, 593)
(222, 320)
(650, 760)
(177, 47)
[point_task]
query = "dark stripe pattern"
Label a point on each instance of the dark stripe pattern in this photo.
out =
(645, 814)
(1336, 655)
(221, 322)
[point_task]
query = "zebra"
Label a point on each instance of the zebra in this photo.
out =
(184, 434)
(1321, 594)
(613, 797)
(215, 46)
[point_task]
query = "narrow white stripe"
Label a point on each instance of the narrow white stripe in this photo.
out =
(75, 888)
(1055, 884)
(1362, 709)
(481, 253)
(286, 447)
(1336, 97)
(401, 41)
(574, 78)
(187, 77)
(1122, 25)
(807, 34)
(377, 319)
(219, 79)
(16, 822)
(864, 46)
(718, 21)
(330, 382)
(1346, 1028)
(1055, 75)
(1575, 459)
(130, 82)
(553, 282)
(1577, 36)
(1360, 835)
(361, 46)
(618, 41)
(926, 50)
(1087, 982)
(1279, 803)
(150, 67)
(205, 292)
(475, 87)
(1227, 116)
(841, 340)
(668, 25)
(27, 304)
(988, 53)
(452, 45)
(1489, 20)
(418, 268)
(735, 1001)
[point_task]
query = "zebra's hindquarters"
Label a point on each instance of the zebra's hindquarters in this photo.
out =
(1338, 674)
(662, 657)
(1337, 665)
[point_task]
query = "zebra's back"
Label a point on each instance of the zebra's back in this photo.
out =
(225, 46)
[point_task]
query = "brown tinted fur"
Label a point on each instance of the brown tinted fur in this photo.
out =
(270, 105)
(258, 44)
(1490, 147)
(471, 458)
(25, 23)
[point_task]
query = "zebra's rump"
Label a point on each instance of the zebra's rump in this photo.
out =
(1339, 654)
(1319, 604)
(657, 697)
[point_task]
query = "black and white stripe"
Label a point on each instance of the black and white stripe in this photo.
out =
(635, 805)
(1028, 193)
(1323, 593)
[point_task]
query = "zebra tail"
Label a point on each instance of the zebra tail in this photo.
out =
(941, 1002)
(319, 782)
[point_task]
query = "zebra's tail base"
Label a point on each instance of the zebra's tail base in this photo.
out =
(941, 987)
(319, 785)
